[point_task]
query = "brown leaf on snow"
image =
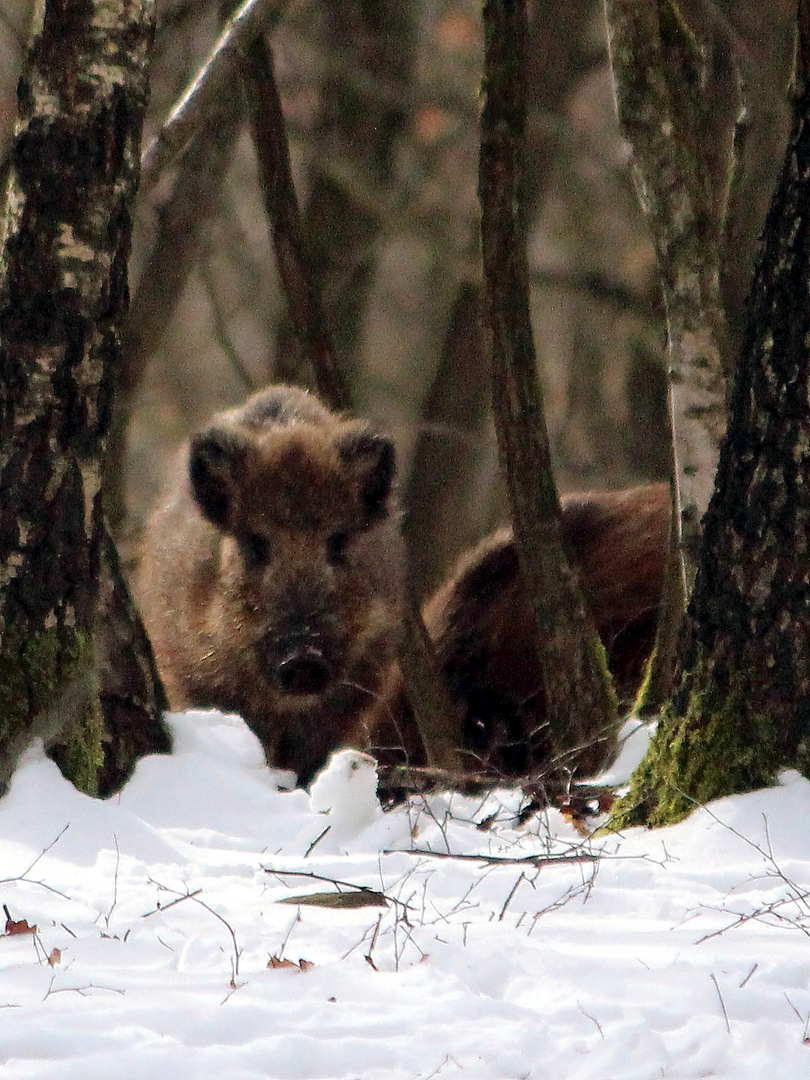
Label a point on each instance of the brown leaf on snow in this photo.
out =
(575, 819)
(20, 926)
(279, 962)
(358, 899)
(55, 957)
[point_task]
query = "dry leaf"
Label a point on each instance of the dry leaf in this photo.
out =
(483, 825)
(19, 927)
(576, 820)
(361, 898)
(278, 962)
(55, 957)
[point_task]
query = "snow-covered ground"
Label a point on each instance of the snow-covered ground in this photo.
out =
(166, 945)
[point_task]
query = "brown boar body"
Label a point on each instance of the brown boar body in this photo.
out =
(270, 579)
(483, 629)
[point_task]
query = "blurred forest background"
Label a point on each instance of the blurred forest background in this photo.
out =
(381, 104)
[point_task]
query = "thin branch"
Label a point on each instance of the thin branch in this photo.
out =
(713, 977)
(237, 952)
(165, 907)
(504, 860)
(214, 80)
(33, 881)
(284, 217)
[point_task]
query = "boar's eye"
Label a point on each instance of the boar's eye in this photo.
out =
(255, 550)
(336, 548)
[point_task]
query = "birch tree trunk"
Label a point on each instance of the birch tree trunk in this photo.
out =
(657, 79)
(63, 290)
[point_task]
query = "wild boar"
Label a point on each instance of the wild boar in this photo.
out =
(271, 576)
(482, 626)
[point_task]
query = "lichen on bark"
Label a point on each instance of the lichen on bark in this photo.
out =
(63, 290)
(715, 745)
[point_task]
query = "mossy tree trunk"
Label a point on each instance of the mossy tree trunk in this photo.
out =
(579, 692)
(742, 709)
(63, 291)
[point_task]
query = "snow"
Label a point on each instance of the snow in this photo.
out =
(678, 953)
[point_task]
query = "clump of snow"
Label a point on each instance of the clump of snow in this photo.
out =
(678, 953)
(346, 791)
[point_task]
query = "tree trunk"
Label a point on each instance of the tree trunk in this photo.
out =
(742, 710)
(579, 693)
(63, 291)
(656, 67)
(439, 524)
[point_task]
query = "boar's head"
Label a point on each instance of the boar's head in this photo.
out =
(297, 506)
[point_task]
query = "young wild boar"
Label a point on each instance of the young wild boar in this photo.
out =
(483, 630)
(270, 578)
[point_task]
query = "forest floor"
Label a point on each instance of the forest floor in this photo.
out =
(152, 935)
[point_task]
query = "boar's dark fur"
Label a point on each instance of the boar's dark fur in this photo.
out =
(271, 577)
(483, 629)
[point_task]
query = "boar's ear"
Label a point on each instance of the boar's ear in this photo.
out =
(213, 460)
(371, 458)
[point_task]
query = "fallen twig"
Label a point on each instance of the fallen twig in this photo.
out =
(503, 860)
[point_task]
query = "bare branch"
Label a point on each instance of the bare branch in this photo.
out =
(284, 218)
(213, 81)
(503, 860)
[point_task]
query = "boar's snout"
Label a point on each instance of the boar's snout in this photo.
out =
(300, 651)
(304, 670)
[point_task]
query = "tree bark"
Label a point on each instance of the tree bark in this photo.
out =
(579, 694)
(656, 68)
(286, 229)
(742, 709)
(63, 291)
(175, 253)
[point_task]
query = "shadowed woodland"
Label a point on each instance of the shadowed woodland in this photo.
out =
(380, 105)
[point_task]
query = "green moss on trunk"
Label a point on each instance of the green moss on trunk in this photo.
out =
(79, 753)
(46, 684)
(718, 747)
